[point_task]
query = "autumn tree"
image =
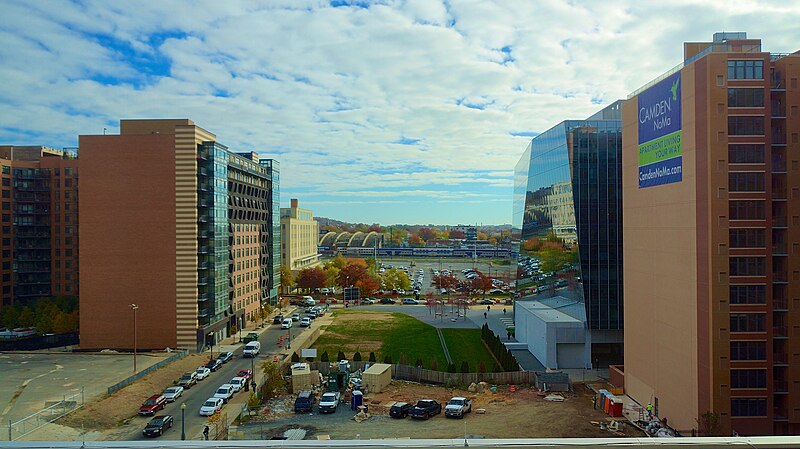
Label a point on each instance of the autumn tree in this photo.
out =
(426, 234)
(367, 286)
(287, 279)
(456, 234)
(376, 228)
(481, 283)
(339, 262)
(351, 274)
(445, 281)
(416, 241)
(482, 236)
(312, 278)
(393, 279)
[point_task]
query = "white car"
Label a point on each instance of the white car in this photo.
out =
(224, 392)
(238, 384)
(287, 323)
(305, 322)
(211, 406)
(202, 372)
(172, 393)
(325, 291)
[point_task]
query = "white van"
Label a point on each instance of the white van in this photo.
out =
(308, 301)
(251, 349)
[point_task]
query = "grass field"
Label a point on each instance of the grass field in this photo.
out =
(384, 333)
(395, 334)
(466, 344)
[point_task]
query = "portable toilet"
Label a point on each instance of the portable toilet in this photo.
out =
(357, 400)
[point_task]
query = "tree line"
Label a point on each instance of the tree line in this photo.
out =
(56, 314)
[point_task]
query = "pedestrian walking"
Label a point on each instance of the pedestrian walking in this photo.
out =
(205, 433)
(594, 402)
(485, 317)
(504, 310)
(488, 308)
(649, 410)
(508, 335)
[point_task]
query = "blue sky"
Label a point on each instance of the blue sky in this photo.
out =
(406, 111)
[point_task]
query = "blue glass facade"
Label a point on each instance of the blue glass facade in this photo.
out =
(274, 224)
(568, 222)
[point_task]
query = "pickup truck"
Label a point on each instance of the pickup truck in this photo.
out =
(457, 407)
(328, 402)
(425, 408)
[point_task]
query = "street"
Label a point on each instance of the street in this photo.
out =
(197, 395)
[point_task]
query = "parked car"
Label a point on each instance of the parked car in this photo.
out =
(157, 426)
(187, 380)
(410, 301)
(457, 407)
(211, 406)
(320, 310)
(485, 301)
(311, 314)
(325, 291)
(305, 322)
(278, 319)
(387, 301)
(213, 365)
(329, 402)
(251, 349)
(246, 373)
(367, 301)
(225, 357)
(224, 392)
(172, 393)
(201, 373)
(295, 317)
(425, 409)
(304, 402)
(152, 404)
(238, 383)
(400, 409)
(252, 336)
(287, 323)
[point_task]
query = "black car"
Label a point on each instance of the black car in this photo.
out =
(278, 319)
(425, 408)
(158, 425)
(225, 357)
(387, 301)
(400, 409)
(213, 365)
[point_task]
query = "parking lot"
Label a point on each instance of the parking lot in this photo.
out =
(32, 380)
(518, 414)
(504, 272)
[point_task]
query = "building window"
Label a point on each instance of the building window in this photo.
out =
(746, 69)
(746, 210)
(748, 407)
(746, 182)
(748, 294)
(747, 238)
(747, 322)
(748, 350)
(745, 98)
(745, 125)
(746, 153)
(747, 266)
(748, 378)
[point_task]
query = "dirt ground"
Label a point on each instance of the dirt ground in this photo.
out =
(522, 414)
(117, 408)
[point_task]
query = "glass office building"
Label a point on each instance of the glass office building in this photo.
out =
(568, 225)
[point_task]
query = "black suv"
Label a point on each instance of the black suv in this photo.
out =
(304, 402)
(400, 409)
(214, 364)
(426, 408)
(278, 319)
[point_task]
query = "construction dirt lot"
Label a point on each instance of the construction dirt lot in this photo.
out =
(521, 414)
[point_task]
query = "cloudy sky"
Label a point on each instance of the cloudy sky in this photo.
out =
(389, 111)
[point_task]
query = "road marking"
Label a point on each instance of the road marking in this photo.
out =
(22, 388)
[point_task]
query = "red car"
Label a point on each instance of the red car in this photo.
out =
(246, 373)
(152, 405)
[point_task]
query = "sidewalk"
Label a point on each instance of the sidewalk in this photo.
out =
(498, 323)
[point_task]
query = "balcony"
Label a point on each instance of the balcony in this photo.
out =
(779, 221)
(203, 266)
(779, 332)
(203, 250)
(778, 111)
(779, 304)
(202, 218)
(202, 281)
(780, 358)
(203, 313)
(780, 277)
(780, 386)
(779, 249)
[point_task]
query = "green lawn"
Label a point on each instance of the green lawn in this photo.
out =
(395, 334)
(466, 344)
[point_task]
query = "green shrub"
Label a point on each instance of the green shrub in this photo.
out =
(372, 358)
(387, 359)
(295, 357)
(340, 356)
(357, 357)
(464, 366)
(324, 357)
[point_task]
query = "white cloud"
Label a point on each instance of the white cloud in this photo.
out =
(331, 92)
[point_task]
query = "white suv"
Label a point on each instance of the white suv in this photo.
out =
(287, 323)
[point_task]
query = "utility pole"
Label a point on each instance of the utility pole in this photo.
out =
(134, 307)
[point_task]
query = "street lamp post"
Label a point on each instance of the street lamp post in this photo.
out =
(211, 334)
(134, 307)
(183, 429)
